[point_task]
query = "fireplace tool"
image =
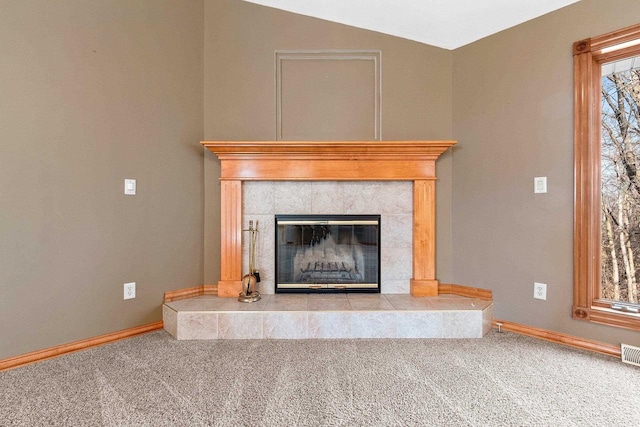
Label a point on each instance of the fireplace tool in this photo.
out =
(249, 293)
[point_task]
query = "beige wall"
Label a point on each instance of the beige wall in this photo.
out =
(240, 43)
(513, 117)
(93, 92)
(96, 91)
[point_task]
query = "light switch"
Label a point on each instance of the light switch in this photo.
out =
(540, 184)
(130, 187)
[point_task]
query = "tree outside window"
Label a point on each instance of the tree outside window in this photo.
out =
(620, 179)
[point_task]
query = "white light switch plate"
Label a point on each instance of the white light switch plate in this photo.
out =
(130, 187)
(540, 184)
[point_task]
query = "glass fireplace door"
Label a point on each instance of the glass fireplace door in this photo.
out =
(327, 253)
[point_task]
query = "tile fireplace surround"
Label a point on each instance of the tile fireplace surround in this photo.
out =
(328, 161)
(392, 200)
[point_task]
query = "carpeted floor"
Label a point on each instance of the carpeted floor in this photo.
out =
(154, 380)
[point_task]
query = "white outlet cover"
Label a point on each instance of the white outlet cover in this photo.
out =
(540, 290)
(540, 184)
(130, 187)
(130, 290)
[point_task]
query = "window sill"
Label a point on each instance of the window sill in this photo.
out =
(607, 316)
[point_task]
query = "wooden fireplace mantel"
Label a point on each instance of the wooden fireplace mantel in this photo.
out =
(328, 161)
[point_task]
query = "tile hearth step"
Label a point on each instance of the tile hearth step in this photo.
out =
(302, 316)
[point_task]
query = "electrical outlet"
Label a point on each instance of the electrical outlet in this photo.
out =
(540, 290)
(129, 290)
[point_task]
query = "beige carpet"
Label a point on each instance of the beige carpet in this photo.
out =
(154, 380)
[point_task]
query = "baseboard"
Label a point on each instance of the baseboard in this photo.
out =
(195, 291)
(465, 291)
(210, 289)
(47, 353)
(557, 337)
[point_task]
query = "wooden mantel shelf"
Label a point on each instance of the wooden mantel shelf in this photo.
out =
(328, 161)
(317, 149)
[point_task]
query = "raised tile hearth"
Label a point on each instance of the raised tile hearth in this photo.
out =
(304, 316)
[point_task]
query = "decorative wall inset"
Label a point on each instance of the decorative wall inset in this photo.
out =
(328, 95)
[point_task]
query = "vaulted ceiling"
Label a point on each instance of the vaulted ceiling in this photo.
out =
(448, 24)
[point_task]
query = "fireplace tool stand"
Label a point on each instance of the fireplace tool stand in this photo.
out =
(249, 293)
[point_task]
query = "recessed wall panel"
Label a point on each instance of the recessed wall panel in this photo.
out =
(328, 95)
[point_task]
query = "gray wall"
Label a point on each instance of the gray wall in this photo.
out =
(93, 92)
(513, 117)
(240, 43)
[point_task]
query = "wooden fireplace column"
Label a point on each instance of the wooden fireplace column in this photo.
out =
(328, 161)
(230, 283)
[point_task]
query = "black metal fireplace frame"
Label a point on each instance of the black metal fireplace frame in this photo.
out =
(279, 217)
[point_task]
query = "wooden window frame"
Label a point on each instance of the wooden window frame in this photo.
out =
(588, 56)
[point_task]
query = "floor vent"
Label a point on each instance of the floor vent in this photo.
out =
(631, 354)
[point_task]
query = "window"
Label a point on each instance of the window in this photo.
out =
(607, 179)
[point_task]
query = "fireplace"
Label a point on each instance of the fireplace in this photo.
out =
(327, 253)
(242, 161)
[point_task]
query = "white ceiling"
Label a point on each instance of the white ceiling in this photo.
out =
(447, 24)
